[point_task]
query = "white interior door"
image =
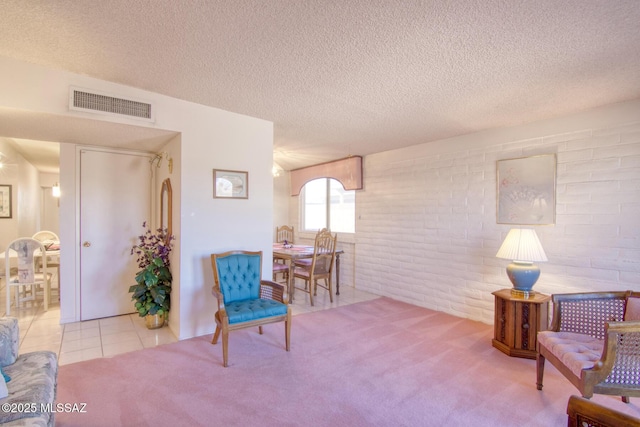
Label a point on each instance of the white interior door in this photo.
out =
(115, 199)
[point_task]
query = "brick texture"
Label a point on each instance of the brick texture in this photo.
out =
(426, 230)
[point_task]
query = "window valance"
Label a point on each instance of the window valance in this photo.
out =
(348, 171)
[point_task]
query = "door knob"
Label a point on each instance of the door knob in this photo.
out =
(86, 244)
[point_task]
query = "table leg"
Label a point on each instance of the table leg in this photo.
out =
(291, 282)
(337, 274)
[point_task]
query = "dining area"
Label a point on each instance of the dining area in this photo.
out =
(314, 265)
(31, 268)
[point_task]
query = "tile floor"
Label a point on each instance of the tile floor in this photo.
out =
(75, 342)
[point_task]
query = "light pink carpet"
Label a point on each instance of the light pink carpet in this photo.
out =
(375, 363)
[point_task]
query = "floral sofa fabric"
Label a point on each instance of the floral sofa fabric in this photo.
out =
(32, 387)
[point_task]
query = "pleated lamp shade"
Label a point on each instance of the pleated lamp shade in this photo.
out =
(522, 245)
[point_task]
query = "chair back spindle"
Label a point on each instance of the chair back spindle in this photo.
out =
(284, 233)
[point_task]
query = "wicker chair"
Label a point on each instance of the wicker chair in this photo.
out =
(594, 342)
(585, 413)
(245, 301)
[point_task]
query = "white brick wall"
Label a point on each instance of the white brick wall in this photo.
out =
(427, 232)
(426, 229)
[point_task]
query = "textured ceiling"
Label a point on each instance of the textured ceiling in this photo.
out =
(340, 77)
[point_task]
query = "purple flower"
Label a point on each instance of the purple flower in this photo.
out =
(152, 245)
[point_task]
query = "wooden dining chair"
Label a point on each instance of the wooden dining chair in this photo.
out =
(284, 234)
(27, 279)
(280, 268)
(306, 262)
(320, 271)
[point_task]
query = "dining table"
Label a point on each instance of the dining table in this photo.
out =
(292, 253)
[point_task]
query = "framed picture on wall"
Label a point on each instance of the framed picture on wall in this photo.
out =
(526, 193)
(5, 201)
(230, 184)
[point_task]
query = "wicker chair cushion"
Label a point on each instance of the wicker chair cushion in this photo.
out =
(632, 309)
(576, 351)
(245, 311)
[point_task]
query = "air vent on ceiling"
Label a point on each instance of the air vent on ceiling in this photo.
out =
(83, 100)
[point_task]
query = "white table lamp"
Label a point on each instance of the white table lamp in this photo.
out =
(523, 247)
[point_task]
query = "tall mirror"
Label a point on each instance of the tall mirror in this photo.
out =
(165, 208)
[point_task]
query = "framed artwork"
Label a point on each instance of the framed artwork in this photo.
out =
(526, 193)
(230, 184)
(5, 201)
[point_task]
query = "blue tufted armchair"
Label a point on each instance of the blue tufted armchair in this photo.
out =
(244, 300)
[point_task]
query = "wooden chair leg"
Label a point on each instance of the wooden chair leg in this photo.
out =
(216, 335)
(330, 288)
(310, 291)
(260, 330)
(539, 370)
(225, 348)
(287, 333)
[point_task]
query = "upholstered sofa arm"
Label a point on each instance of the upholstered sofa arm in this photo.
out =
(274, 291)
(8, 340)
(587, 313)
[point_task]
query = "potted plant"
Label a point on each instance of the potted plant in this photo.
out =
(152, 291)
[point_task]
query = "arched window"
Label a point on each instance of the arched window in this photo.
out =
(325, 203)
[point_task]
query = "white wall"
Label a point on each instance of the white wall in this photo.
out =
(209, 138)
(28, 203)
(49, 206)
(281, 197)
(426, 219)
(9, 226)
(25, 194)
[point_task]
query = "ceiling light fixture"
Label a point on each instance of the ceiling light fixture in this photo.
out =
(275, 170)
